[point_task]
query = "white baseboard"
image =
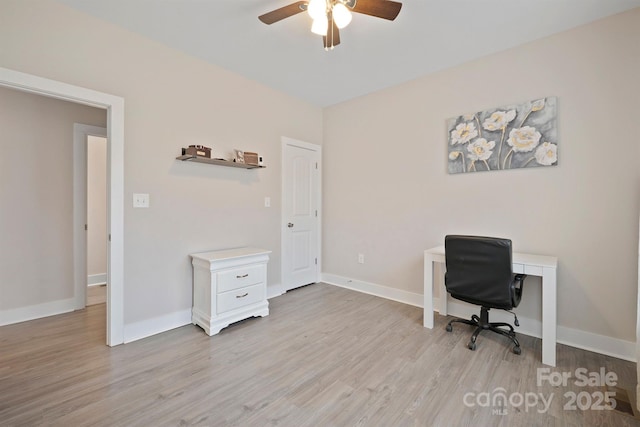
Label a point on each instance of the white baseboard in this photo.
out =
(602, 344)
(146, 328)
(96, 279)
(374, 289)
(22, 314)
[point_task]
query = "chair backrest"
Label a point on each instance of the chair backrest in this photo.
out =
(479, 270)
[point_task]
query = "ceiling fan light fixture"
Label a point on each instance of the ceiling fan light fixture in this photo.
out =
(320, 25)
(330, 16)
(341, 15)
(317, 9)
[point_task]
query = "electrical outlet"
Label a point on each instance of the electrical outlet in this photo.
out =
(140, 200)
(267, 202)
(360, 258)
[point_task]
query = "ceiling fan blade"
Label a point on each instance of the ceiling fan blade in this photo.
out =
(284, 12)
(332, 39)
(385, 9)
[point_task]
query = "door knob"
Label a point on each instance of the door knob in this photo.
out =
(290, 225)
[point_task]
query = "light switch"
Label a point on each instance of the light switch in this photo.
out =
(140, 200)
(267, 202)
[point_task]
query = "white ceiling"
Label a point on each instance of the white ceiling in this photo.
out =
(427, 36)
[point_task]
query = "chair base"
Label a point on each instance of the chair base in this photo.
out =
(482, 323)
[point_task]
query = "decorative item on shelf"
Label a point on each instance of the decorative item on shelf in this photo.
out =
(197, 150)
(260, 161)
(239, 156)
(186, 157)
(251, 158)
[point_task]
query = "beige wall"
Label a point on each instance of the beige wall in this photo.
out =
(171, 100)
(96, 205)
(36, 196)
(386, 190)
(387, 193)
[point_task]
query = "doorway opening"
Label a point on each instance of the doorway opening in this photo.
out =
(96, 219)
(114, 106)
(90, 214)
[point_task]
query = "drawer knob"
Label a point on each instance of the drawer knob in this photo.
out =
(243, 276)
(243, 295)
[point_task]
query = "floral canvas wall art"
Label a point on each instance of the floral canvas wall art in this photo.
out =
(509, 137)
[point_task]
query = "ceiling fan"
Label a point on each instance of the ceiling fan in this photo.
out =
(330, 16)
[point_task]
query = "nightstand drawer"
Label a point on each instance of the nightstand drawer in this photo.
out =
(241, 277)
(240, 297)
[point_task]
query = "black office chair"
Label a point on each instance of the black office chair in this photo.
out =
(479, 271)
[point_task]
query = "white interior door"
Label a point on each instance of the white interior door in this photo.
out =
(300, 213)
(96, 210)
(80, 147)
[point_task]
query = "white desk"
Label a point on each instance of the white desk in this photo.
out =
(533, 265)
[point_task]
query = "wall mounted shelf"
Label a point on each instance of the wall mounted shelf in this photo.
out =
(191, 158)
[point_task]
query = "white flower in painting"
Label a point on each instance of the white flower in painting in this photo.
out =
(537, 105)
(547, 154)
(468, 117)
(463, 133)
(480, 149)
(499, 120)
(524, 139)
(454, 155)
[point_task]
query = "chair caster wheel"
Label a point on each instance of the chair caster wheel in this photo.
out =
(449, 328)
(471, 346)
(517, 350)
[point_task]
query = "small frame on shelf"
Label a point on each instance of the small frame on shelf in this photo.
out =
(219, 162)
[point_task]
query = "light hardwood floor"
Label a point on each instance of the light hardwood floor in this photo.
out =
(325, 356)
(96, 294)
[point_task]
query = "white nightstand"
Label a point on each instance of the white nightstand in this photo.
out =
(229, 286)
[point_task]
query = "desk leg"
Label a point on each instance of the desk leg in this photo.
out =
(549, 316)
(427, 315)
(442, 290)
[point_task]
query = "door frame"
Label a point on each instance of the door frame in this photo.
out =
(80, 206)
(114, 105)
(638, 336)
(290, 142)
